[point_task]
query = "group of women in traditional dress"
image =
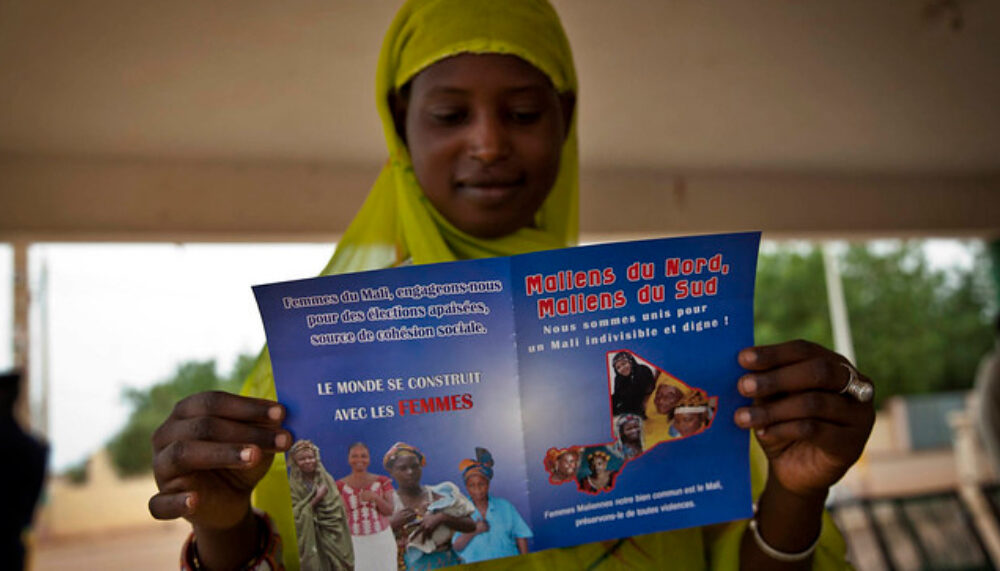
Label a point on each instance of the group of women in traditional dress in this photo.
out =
(652, 408)
(362, 522)
(675, 410)
(649, 408)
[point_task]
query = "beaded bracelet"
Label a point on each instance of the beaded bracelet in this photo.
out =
(267, 558)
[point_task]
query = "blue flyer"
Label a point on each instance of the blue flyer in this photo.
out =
(593, 388)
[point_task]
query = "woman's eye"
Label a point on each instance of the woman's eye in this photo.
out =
(525, 115)
(448, 116)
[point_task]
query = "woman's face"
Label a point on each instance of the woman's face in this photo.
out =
(631, 430)
(598, 464)
(306, 461)
(566, 464)
(688, 423)
(358, 458)
(667, 397)
(485, 134)
(406, 470)
(623, 366)
(478, 486)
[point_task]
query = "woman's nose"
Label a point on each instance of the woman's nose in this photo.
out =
(489, 141)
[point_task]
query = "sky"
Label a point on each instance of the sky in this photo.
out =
(125, 315)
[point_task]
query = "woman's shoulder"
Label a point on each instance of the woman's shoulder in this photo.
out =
(500, 502)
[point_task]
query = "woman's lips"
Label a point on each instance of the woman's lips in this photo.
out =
(490, 192)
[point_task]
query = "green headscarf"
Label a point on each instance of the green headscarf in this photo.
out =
(397, 223)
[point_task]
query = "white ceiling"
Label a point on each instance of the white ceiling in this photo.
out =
(773, 85)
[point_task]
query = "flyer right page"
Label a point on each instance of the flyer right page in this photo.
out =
(628, 370)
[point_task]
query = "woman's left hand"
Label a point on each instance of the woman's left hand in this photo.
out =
(810, 432)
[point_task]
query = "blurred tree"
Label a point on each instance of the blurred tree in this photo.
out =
(130, 450)
(790, 297)
(78, 473)
(916, 329)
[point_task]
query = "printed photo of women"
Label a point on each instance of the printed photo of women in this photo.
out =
(425, 517)
(633, 382)
(667, 395)
(324, 541)
(368, 499)
(628, 436)
(693, 415)
(500, 529)
(562, 464)
(599, 470)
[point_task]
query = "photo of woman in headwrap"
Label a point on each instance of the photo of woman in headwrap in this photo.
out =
(562, 464)
(598, 476)
(692, 415)
(660, 405)
(324, 541)
(500, 529)
(628, 436)
(425, 518)
(633, 383)
(368, 499)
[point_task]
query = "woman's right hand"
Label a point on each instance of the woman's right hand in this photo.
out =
(320, 494)
(402, 517)
(210, 453)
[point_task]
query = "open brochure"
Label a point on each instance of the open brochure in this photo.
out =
(599, 381)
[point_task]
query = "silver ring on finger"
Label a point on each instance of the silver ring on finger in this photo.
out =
(861, 391)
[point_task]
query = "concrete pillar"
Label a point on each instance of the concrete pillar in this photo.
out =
(993, 248)
(21, 333)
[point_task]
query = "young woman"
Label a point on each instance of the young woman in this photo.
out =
(691, 416)
(562, 464)
(669, 393)
(425, 518)
(500, 529)
(633, 384)
(320, 522)
(368, 500)
(598, 478)
(628, 436)
(477, 100)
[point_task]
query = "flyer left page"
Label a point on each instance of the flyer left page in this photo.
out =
(420, 355)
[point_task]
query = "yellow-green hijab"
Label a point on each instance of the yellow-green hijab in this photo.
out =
(397, 223)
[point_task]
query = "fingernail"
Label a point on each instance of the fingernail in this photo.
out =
(281, 440)
(748, 384)
(189, 502)
(743, 416)
(246, 454)
(274, 413)
(749, 356)
(760, 432)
